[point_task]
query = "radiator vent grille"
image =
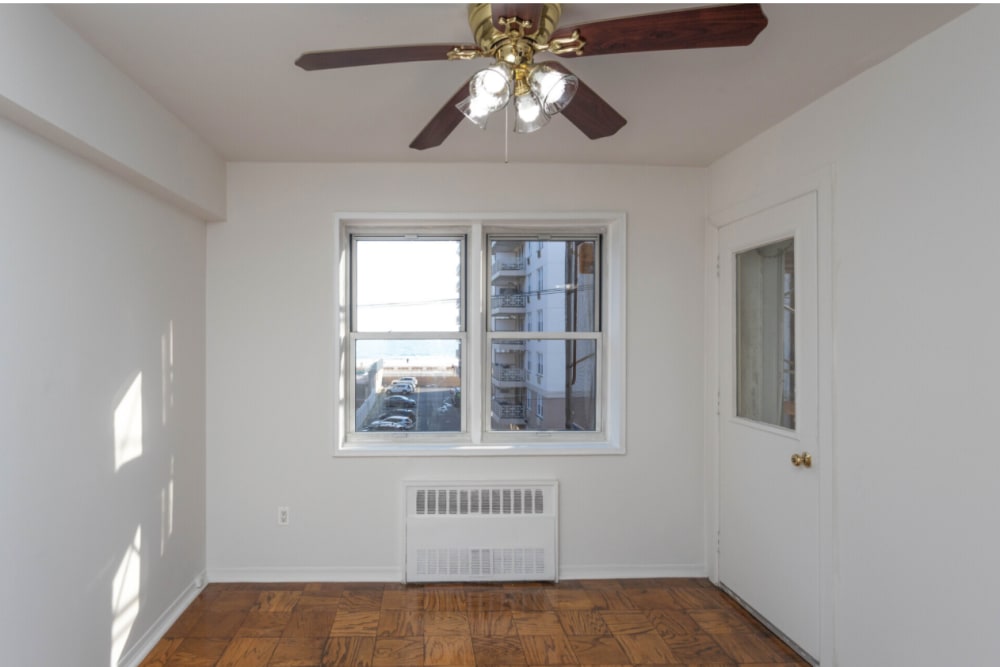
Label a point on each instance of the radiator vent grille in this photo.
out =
(487, 530)
(479, 501)
(456, 562)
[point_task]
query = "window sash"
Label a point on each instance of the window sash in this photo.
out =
(475, 339)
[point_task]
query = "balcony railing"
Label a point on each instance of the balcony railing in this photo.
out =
(510, 301)
(507, 374)
(508, 411)
(512, 265)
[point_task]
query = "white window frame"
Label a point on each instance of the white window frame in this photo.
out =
(476, 438)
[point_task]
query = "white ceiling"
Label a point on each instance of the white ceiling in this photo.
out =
(227, 71)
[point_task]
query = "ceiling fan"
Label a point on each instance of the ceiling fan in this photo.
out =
(511, 35)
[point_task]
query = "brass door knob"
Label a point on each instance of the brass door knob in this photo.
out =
(804, 459)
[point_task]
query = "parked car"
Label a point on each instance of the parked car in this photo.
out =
(402, 412)
(382, 425)
(398, 387)
(396, 401)
(412, 380)
(399, 419)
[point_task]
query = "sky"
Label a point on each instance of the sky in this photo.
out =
(410, 285)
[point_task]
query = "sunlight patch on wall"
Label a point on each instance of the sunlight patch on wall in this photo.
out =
(128, 425)
(167, 510)
(167, 371)
(125, 596)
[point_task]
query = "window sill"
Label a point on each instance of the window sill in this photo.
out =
(521, 448)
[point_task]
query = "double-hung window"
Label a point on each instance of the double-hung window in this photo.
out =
(437, 353)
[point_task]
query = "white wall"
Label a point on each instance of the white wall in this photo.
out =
(102, 479)
(58, 86)
(915, 146)
(270, 413)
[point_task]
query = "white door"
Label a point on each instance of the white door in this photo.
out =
(769, 509)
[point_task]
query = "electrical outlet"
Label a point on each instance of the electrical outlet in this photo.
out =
(282, 516)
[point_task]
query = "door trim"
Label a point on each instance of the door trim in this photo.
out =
(822, 183)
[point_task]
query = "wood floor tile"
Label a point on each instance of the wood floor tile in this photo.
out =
(218, 624)
(611, 600)
(602, 622)
(491, 624)
(574, 599)
(498, 651)
(486, 600)
(749, 647)
(698, 649)
(696, 597)
(598, 650)
(361, 600)
(404, 599)
(444, 599)
(276, 601)
(395, 651)
(526, 600)
(161, 653)
(451, 651)
(448, 623)
(537, 623)
(355, 623)
(311, 622)
(401, 623)
(316, 600)
(601, 584)
(656, 598)
(627, 622)
(583, 623)
(298, 652)
(324, 588)
(646, 648)
(264, 624)
(673, 623)
(552, 649)
(248, 652)
(349, 651)
(197, 652)
(233, 600)
(187, 620)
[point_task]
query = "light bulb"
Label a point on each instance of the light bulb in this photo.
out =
(475, 111)
(529, 114)
(555, 89)
(491, 87)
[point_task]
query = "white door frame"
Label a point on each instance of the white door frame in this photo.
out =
(822, 183)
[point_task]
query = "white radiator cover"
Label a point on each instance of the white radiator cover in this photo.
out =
(481, 531)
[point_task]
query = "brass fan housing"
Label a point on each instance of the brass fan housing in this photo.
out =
(518, 42)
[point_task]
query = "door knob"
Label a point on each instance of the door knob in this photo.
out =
(804, 459)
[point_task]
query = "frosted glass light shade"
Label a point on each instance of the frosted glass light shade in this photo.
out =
(529, 115)
(475, 111)
(553, 88)
(491, 88)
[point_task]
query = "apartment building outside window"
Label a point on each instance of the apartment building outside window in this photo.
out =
(438, 337)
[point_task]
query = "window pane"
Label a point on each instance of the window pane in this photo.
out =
(547, 286)
(765, 330)
(408, 285)
(415, 384)
(544, 385)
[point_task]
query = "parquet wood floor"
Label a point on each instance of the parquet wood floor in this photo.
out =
(608, 622)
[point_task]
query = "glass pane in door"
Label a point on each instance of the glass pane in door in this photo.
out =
(765, 334)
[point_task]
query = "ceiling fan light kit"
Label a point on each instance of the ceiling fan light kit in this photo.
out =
(511, 35)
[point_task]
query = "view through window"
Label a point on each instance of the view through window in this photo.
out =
(475, 338)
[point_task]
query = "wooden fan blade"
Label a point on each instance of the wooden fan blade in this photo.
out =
(373, 56)
(443, 123)
(532, 13)
(588, 110)
(734, 25)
